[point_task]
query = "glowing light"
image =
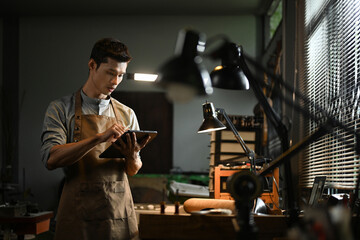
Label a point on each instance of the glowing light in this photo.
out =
(145, 77)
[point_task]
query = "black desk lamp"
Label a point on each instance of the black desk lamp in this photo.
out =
(212, 123)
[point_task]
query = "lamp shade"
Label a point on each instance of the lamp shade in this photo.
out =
(184, 76)
(210, 122)
(230, 75)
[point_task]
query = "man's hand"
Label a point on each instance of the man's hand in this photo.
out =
(112, 133)
(131, 148)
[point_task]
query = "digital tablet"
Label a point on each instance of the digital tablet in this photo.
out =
(112, 152)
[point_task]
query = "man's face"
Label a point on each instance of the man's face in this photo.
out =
(107, 77)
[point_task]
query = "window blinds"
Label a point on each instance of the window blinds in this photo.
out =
(332, 81)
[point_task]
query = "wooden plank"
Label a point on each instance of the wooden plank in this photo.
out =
(185, 227)
(169, 226)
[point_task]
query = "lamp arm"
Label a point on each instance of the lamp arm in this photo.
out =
(331, 120)
(321, 131)
(249, 153)
(281, 131)
(274, 118)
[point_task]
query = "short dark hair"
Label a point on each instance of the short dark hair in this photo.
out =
(112, 48)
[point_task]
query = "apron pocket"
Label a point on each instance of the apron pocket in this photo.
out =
(103, 200)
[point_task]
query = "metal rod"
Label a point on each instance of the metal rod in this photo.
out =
(249, 153)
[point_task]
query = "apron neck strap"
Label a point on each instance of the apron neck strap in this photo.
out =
(77, 125)
(116, 111)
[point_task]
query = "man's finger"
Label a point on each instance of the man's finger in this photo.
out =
(144, 142)
(133, 138)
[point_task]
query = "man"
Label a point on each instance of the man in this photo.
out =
(96, 201)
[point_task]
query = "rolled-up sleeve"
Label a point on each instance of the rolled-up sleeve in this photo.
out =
(54, 131)
(134, 124)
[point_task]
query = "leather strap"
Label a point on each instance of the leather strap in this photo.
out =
(77, 125)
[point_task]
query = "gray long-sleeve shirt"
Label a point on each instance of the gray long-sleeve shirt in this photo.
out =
(58, 123)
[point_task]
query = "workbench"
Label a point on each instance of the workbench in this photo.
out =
(186, 226)
(34, 223)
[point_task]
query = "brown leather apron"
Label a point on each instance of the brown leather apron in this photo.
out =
(96, 201)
